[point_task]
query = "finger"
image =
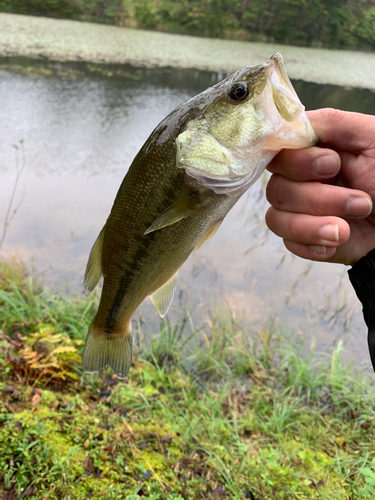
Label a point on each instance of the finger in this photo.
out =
(307, 229)
(318, 253)
(315, 198)
(306, 164)
(352, 132)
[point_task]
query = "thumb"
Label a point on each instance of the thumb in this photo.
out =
(351, 132)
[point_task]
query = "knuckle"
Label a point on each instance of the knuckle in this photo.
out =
(296, 227)
(273, 190)
(323, 200)
(315, 202)
(333, 114)
(269, 217)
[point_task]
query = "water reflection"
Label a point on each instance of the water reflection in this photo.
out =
(80, 133)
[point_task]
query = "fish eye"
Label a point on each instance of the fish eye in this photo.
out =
(238, 92)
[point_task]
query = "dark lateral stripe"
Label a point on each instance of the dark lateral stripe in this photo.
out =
(171, 191)
(125, 282)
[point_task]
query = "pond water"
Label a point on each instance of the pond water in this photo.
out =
(72, 135)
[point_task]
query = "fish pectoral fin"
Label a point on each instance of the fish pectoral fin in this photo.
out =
(207, 236)
(94, 271)
(103, 350)
(162, 298)
(177, 211)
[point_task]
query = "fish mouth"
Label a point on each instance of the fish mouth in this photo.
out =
(286, 99)
(279, 78)
(276, 105)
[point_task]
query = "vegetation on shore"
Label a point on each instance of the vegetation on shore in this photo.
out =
(322, 23)
(216, 413)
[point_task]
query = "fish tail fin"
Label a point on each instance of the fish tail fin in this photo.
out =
(103, 350)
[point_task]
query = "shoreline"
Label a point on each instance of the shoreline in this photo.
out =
(76, 41)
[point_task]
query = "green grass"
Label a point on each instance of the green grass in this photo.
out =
(214, 413)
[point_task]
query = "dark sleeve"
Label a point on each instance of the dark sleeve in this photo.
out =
(362, 277)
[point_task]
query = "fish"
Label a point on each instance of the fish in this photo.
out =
(190, 172)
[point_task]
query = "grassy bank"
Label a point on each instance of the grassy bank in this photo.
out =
(214, 413)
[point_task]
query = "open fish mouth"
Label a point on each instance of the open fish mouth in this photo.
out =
(289, 105)
(276, 120)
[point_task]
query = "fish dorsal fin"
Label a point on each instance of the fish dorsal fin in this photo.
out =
(162, 298)
(177, 211)
(94, 271)
(210, 233)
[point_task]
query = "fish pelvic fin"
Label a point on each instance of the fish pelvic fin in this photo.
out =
(103, 350)
(162, 298)
(178, 211)
(94, 270)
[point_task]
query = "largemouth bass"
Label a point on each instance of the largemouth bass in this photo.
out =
(190, 172)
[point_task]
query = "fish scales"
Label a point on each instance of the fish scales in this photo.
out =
(190, 172)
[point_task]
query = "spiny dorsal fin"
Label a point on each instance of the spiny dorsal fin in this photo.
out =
(210, 233)
(94, 271)
(162, 298)
(177, 211)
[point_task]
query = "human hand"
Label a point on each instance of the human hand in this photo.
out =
(322, 197)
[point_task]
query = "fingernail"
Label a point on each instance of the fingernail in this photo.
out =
(327, 165)
(330, 232)
(358, 207)
(319, 249)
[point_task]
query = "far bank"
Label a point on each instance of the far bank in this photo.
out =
(64, 40)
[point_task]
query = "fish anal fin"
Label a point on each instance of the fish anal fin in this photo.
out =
(163, 296)
(94, 271)
(208, 235)
(103, 350)
(177, 211)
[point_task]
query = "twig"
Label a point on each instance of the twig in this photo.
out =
(10, 215)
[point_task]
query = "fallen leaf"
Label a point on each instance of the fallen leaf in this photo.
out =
(28, 492)
(146, 475)
(105, 393)
(248, 494)
(9, 408)
(218, 491)
(88, 465)
(35, 399)
(124, 412)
